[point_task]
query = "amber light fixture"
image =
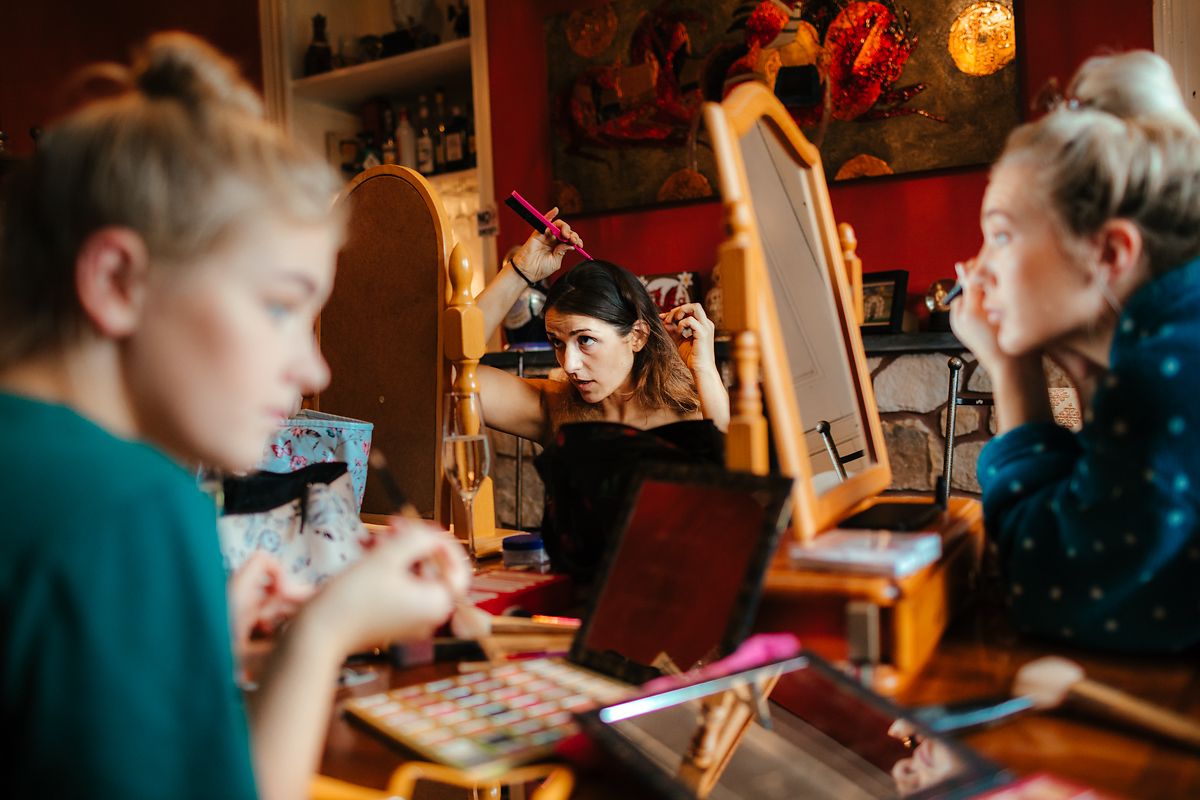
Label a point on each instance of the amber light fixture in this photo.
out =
(983, 38)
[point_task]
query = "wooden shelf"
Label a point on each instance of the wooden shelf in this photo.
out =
(923, 342)
(349, 87)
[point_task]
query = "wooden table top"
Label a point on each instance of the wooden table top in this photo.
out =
(974, 660)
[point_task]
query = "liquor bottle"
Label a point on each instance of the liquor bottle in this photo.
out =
(456, 140)
(448, 26)
(368, 154)
(348, 150)
(406, 141)
(462, 21)
(319, 56)
(439, 129)
(425, 163)
(388, 148)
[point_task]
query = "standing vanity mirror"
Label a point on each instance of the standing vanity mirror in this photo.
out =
(818, 392)
(786, 286)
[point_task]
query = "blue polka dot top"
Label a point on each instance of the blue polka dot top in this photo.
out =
(1098, 532)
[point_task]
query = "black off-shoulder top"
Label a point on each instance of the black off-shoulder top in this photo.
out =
(587, 469)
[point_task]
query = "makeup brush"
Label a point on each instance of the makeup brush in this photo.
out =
(1051, 682)
(958, 287)
(475, 623)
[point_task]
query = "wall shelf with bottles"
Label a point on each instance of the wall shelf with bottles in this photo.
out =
(349, 87)
(331, 110)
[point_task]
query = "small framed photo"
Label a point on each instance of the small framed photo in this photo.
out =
(883, 301)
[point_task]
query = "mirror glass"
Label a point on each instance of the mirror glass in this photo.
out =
(817, 357)
(818, 736)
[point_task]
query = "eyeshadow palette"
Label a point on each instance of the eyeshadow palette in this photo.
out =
(486, 722)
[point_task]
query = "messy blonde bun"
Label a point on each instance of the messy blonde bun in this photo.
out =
(177, 66)
(1137, 84)
(1091, 166)
(177, 149)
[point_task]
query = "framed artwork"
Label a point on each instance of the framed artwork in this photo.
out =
(882, 87)
(883, 301)
(626, 92)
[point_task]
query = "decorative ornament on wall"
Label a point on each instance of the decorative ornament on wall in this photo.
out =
(672, 289)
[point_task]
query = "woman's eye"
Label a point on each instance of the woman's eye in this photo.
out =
(278, 310)
(555, 343)
(1000, 237)
(586, 340)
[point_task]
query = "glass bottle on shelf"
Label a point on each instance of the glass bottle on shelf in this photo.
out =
(449, 27)
(319, 56)
(425, 162)
(456, 140)
(406, 141)
(369, 155)
(388, 150)
(439, 130)
(348, 150)
(462, 21)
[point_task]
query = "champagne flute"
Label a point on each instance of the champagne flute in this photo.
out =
(466, 452)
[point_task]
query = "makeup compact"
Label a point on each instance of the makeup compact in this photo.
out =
(663, 603)
(788, 305)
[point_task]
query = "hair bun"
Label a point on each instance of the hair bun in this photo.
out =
(178, 66)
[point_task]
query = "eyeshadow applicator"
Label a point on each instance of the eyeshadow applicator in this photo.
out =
(1052, 682)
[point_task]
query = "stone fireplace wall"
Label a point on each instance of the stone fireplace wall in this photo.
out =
(912, 390)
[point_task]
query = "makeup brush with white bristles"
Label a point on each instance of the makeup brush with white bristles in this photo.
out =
(1052, 682)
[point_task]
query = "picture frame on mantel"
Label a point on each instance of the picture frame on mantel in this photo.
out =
(884, 294)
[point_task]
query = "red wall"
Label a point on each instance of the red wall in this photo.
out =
(922, 223)
(44, 41)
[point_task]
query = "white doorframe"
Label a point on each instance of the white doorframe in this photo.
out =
(1176, 26)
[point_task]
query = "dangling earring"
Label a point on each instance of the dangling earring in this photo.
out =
(1106, 290)
(1110, 298)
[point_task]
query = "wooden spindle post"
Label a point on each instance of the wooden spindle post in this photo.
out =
(854, 272)
(464, 345)
(746, 442)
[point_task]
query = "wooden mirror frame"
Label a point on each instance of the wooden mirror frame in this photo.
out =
(750, 306)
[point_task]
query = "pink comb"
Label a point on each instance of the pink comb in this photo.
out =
(538, 222)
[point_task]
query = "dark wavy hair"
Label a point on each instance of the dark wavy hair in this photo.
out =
(614, 295)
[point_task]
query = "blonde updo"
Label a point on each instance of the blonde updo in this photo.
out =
(1091, 166)
(177, 150)
(1133, 85)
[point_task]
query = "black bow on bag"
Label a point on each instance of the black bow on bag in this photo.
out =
(307, 519)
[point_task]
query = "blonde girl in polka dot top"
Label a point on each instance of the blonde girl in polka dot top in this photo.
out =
(1091, 256)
